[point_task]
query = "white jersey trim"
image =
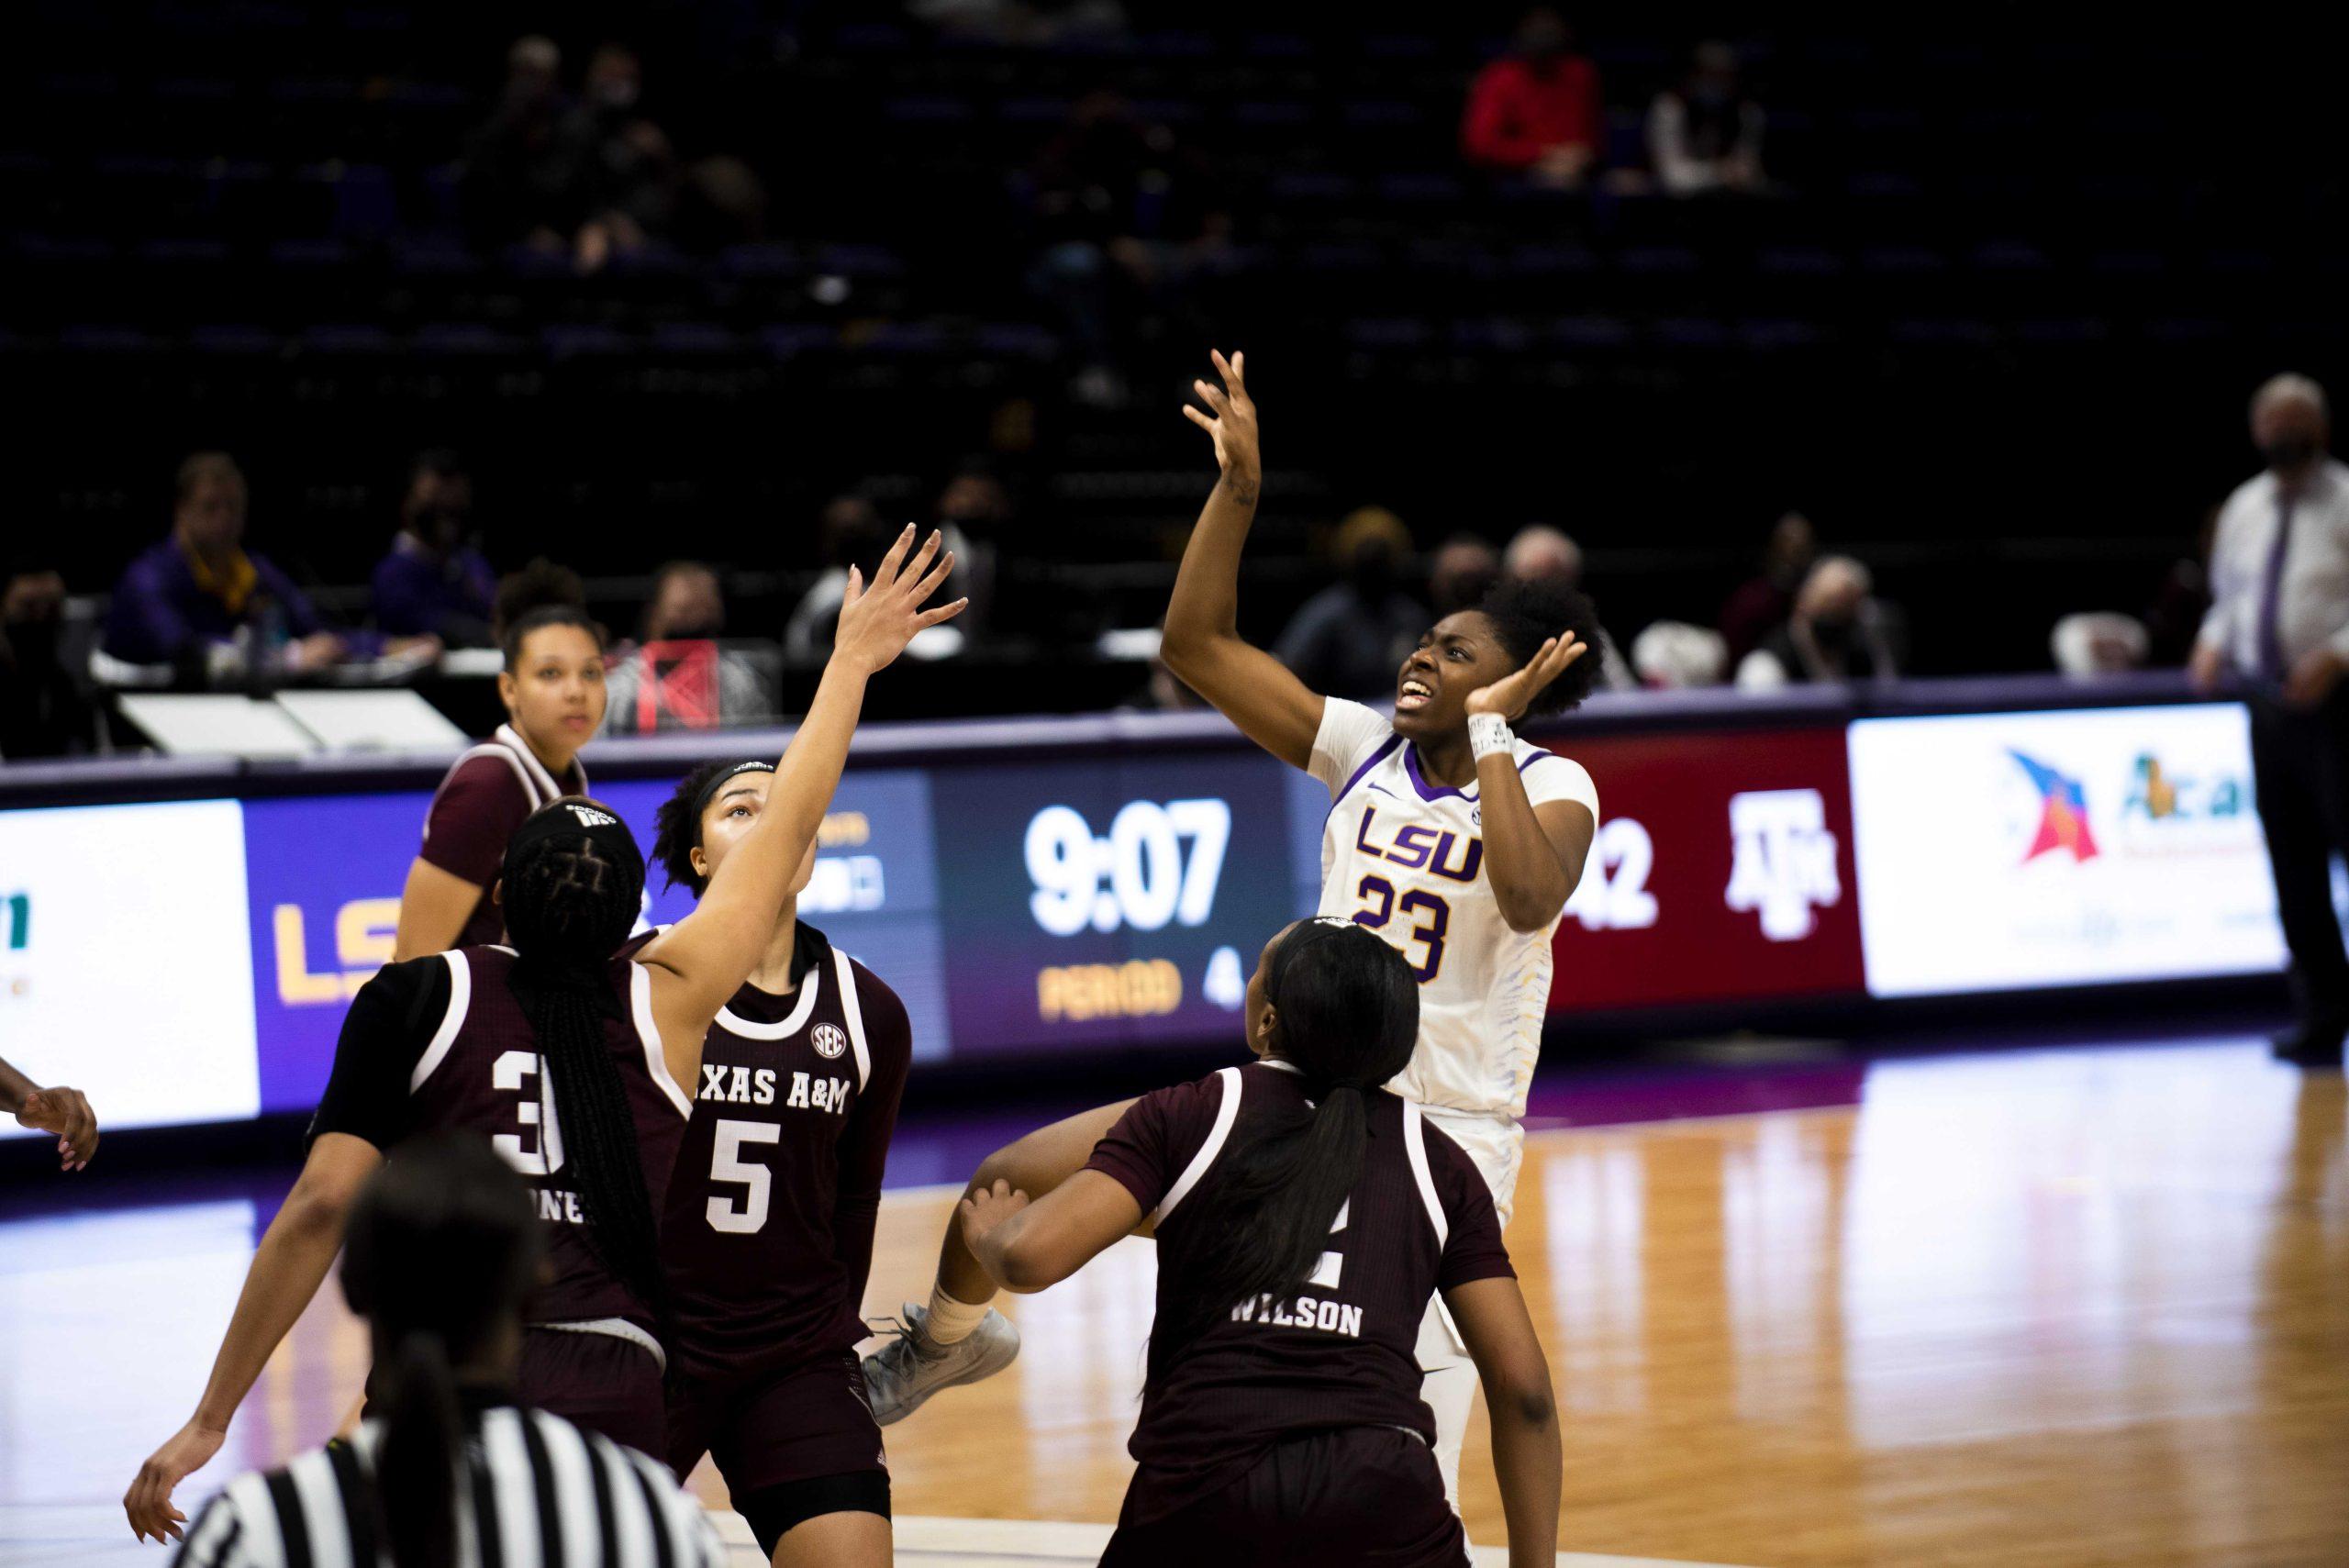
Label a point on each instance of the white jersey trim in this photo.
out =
(648, 1030)
(1227, 1111)
(735, 1023)
(461, 997)
(1415, 1148)
(612, 1328)
(855, 1012)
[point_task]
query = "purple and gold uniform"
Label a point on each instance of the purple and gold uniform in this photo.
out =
(768, 1239)
(443, 1042)
(1294, 1425)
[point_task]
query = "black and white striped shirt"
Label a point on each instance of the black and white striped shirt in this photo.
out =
(540, 1494)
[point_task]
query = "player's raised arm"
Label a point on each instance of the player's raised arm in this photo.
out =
(705, 958)
(1203, 646)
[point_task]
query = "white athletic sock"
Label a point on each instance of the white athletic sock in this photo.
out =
(951, 1320)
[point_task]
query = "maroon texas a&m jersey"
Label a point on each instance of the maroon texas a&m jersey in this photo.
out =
(1340, 1348)
(443, 1042)
(768, 1235)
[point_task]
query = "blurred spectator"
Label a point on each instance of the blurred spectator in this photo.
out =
(1761, 605)
(541, 582)
(1839, 631)
(1465, 569)
(679, 678)
(1705, 134)
(2098, 642)
(1126, 217)
(435, 582)
(1673, 655)
(1536, 111)
(1539, 553)
(2175, 617)
(524, 172)
(1349, 640)
(855, 533)
(43, 709)
(976, 512)
(197, 600)
(2278, 628)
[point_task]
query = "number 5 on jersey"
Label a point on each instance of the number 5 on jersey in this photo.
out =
(727, 1165)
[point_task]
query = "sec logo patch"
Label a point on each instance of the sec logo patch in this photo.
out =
(829, 1040)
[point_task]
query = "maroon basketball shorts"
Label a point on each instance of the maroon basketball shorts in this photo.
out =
(1350, 1494)
(794, 1441)
(600, 1382)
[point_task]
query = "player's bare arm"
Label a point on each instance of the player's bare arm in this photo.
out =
(434, 907)
(1203, 646)
(704, 958)
(64, 1111)
(293, 1259)
(1529, 1456)
(1026, 1247)
(1534, 855)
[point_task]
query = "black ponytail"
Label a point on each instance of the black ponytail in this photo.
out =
(440, 1252)
(1347, 1016)
(570, 894)
(416, 1464)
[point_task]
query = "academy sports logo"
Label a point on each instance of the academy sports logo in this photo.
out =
(2063, 812)
(591, 818)
(828, 1041)
(1783, 863)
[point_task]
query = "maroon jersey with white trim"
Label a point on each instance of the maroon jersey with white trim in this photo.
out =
(769, 1230)
(1338, 1349)
(482, 1070)
(485, 797)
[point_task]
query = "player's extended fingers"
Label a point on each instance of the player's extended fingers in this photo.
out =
(1191, 411)
(911, 579)
(886, 572)
(1223, 368)
(1212, 396)
(854, 589)
(937, 576)
(942, 614)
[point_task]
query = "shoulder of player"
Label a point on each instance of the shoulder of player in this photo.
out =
(487, 772)
(413, 989)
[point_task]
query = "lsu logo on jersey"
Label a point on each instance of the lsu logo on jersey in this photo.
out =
(829, 1040)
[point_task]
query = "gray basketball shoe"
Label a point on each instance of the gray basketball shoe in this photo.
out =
(906, 1372)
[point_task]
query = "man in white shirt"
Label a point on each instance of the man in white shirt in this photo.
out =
(2278, 629)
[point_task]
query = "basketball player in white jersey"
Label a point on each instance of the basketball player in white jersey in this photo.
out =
(1449, 837)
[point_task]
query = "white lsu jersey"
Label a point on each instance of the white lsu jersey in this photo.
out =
(1405, 857)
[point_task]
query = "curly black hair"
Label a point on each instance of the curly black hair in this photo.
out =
(1525, 615)
(677, 826)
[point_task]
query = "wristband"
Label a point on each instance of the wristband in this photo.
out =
(1488, 733)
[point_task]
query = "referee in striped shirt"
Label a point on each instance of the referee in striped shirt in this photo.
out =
(441, 1249)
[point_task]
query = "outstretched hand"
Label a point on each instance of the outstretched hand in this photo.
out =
(1232, 422)
(878, 621)
(1512, 695)
(66, 1113)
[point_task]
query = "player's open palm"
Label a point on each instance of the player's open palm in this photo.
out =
(1230, 419)
(878, 619)
(149, 1501)
(1512, 695)
(65, 1112)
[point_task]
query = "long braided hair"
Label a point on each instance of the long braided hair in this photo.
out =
(573, 885)
(1346, 1015)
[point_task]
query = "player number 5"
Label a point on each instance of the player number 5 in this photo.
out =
(727, 1165)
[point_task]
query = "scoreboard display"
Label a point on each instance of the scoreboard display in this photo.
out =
(1109, 900)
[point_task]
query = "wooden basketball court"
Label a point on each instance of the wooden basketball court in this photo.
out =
(2081, 1307)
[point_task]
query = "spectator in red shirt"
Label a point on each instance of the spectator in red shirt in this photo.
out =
(1536, 111)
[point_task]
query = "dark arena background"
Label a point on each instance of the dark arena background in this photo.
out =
(1939, 1151)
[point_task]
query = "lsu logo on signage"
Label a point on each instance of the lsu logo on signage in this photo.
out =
(1783, 860)
(363, 930)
